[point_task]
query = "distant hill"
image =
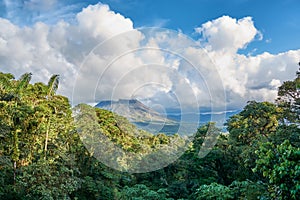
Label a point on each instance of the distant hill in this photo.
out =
(134, 111)
(150, 120)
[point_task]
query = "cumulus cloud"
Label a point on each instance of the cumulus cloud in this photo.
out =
(245, 77)
(228, 34)
(99, 21)
(102, 56)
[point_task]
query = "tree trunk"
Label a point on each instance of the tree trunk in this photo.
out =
(46, 138)
(15, 171)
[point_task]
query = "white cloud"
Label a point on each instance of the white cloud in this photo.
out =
(228, 34)
(245, 77)
(102, 56)
(100, 21)
(61, 48)
(275, 83)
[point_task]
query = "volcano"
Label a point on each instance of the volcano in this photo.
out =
(134, 111)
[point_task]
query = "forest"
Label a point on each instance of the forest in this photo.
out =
(43, 157)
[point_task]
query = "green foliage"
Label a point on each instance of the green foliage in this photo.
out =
(286, 132)
(94, 188)
(42, 156)
(280, 164)
(255, 122)
(249, 190)
(47, 180)
(126, 135)
(236, 190)
(53, 85)
(125, 146)
(289, 99)
(36, 138)
(142, 192)
(214, 191)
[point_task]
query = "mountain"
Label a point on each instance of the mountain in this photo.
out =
(174, 122)
(134, 111)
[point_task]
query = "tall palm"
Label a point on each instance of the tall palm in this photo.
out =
(51, 90)
(53, 85)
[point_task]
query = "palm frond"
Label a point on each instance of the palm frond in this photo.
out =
(23, 81)
(53, 84)
(5, 83)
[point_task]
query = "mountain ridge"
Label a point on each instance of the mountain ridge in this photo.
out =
(150, 120)
(133, 110)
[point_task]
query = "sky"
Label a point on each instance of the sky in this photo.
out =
(197, 53)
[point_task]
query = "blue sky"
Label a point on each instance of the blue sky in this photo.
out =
(278, 20)
(253, 45)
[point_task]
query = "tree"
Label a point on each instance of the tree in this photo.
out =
(51, 89)
(35, 122)
(42, 157)
(236, 190)
(141, 192)
(289, 98)
(255, 122)
(280, 164)
(15, 113)
(214, 191)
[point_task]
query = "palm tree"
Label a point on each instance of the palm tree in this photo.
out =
(53, 85)
(51, 90)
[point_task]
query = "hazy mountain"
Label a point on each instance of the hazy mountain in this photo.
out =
(134, 111)
(173, 122)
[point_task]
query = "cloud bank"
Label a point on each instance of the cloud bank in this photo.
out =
(100, 55)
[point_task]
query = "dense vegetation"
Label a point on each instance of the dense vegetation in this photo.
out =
(42, 156)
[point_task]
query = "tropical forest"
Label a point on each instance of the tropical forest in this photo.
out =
(42, 155)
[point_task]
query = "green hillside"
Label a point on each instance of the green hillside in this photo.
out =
(49, 150)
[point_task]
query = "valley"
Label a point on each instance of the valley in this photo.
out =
(169, 123)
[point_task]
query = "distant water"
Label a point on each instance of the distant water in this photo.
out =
(169, 129)
(186, 124)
